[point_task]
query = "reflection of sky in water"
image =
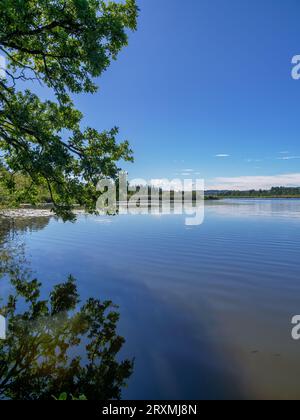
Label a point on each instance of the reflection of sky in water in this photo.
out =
(255, 208)
(205, 310)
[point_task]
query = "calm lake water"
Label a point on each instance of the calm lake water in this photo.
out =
(206, 310)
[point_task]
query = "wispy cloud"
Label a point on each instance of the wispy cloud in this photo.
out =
(222, 155)
(289, 157)
(255, 182)
(254, 160)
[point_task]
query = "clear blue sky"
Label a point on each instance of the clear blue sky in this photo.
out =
(202, 78)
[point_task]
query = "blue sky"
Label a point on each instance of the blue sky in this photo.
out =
(202, 78)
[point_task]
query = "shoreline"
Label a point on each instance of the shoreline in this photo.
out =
(31, 212)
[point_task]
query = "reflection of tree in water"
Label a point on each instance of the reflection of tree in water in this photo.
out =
(11, 242)
(9, 226)
(39, 359)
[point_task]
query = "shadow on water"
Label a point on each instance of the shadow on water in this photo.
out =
(54, 347)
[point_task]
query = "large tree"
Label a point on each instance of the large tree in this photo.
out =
(64, 45)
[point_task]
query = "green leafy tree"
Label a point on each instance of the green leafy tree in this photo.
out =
(63, 45)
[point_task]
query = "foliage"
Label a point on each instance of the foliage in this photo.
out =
(279, 192)
(17, 188)
(53, 349)
(64, 397)
(64, 45)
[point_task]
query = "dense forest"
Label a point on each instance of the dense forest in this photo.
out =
(275, 192)
(16, 189)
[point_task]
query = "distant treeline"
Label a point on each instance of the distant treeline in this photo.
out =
(275, 192)
(160, 194)
(18, 189)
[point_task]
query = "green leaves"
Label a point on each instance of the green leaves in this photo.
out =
(64, 397)
(63, 44)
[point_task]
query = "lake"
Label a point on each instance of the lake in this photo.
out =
(206, 310)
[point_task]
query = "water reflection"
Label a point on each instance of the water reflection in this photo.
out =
(228, 207)
(192, 210)
(53, 345)
(279, 208)
(206, 311)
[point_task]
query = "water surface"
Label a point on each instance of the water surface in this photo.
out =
(206, 310)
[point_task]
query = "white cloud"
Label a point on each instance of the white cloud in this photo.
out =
(254, 182)
(222, 155)
(289, 157)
